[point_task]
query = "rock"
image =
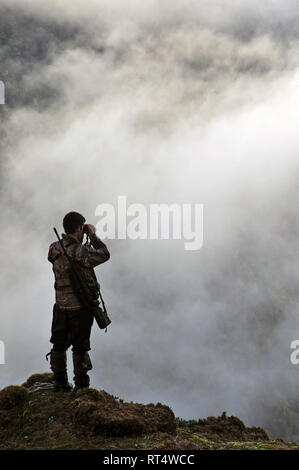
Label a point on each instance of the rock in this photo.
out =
(45, 377)
(41, 387)
(102, 413)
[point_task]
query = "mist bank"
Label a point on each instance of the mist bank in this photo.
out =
(163, 105)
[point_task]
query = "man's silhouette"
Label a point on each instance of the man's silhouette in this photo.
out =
(71, 324)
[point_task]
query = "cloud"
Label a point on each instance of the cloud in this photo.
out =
(162, 104)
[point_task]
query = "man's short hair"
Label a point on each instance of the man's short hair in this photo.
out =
(71, 221)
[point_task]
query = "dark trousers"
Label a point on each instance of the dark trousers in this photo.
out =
(71, 328)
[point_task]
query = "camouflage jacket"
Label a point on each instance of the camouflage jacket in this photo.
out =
(86, 256)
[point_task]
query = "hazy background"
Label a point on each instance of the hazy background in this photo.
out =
(186, 102)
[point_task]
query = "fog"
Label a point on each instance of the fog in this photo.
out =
(188, 102)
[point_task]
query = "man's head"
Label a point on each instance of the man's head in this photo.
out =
(73, 223)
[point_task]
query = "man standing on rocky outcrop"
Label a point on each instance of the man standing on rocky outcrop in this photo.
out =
(71, 324)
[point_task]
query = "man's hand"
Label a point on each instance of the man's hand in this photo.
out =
(91, 230)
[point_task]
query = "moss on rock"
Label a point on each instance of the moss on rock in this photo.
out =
(46, 377)
(12, 396)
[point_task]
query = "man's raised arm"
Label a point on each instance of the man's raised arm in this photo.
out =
(97, 253)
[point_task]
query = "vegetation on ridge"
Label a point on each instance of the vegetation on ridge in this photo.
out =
(32, 416)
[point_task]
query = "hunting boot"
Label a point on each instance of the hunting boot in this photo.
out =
(82, 364)
(58, 366)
